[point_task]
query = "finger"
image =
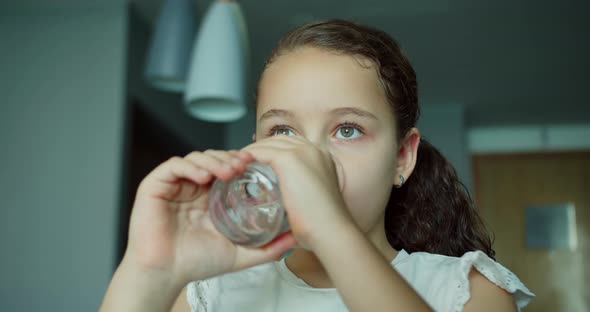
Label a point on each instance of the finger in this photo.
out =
(243, 155)
(233, 152)
(272, 251)
(266, 154)
(286, 138)
(212, 164)
(175, 168)
(280, 141)
(229, 157)
(246, 156)
(274, 145)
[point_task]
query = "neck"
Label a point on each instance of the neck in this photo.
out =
(306, 265)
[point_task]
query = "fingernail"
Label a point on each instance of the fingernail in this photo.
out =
(202, 172)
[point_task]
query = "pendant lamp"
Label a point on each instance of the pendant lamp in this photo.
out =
(215, 89)
(169, 53)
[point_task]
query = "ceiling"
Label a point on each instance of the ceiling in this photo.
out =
(508, 62)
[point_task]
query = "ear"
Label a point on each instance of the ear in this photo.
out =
(407, 155)
(253, 137)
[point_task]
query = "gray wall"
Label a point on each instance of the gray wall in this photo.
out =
(61, 121)
(444, 126)
(239, 133)
(68, 74)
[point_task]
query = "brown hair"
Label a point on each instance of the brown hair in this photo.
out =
(432, 211)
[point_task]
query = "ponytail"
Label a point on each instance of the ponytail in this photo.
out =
(433, 212)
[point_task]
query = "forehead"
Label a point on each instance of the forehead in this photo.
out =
(311, 79)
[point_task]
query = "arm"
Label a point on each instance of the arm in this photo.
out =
(171, 237)
(486, 296)
(134, 290)
(144, 302)
(365, 280)
(181, 304)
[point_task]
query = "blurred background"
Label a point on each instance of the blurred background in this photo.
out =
(502, 86)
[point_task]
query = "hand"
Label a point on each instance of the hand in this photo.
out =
(309, 185)
(170, 229)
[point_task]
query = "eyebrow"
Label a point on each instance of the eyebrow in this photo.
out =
(341, 111)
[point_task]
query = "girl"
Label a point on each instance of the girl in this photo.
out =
(379, 220)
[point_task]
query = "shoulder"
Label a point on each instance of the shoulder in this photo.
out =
(457, 283)
(181, 303)
(484, 295)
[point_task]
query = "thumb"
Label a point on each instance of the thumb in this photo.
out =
(248, 257)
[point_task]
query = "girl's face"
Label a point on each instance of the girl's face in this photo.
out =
(338, 105)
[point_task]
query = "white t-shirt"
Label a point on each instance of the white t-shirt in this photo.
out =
(442, 281)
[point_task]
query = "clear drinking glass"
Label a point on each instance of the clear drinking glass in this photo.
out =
(248, 209)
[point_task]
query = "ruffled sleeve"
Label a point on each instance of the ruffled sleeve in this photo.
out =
(494, 272)
(200, 295)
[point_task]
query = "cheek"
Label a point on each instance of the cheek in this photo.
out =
(368, 185)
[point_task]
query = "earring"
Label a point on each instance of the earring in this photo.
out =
(401, 181)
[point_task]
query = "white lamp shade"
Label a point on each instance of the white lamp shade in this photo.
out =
(170, 49)
(215, 89)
